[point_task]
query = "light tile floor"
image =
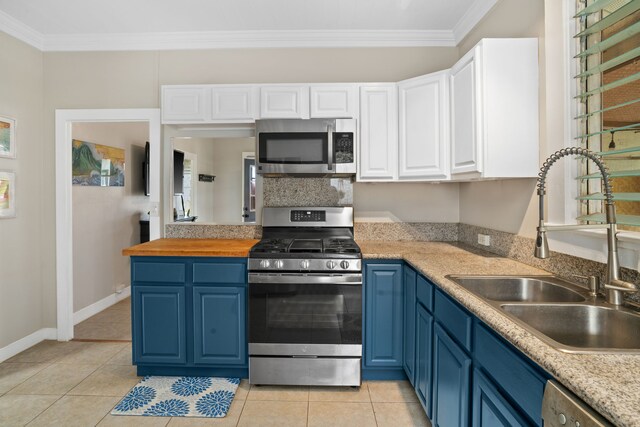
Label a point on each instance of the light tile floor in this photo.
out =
(114, 323)
(78, 383)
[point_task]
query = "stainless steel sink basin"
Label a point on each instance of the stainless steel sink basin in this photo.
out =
(521, 289)
(581, 327)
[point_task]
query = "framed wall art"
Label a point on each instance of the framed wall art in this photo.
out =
(7, 137)
(7, 194)
(97, 165)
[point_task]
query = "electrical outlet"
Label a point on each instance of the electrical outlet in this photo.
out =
(484, 239)
(120, 287)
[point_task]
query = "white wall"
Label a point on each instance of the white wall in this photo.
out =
(105, 219)
(21, 238)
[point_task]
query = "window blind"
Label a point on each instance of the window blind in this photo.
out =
(608, 95)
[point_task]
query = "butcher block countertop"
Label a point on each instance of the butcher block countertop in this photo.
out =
(192, 247)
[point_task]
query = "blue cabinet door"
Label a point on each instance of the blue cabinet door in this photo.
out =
(451, 381)
(383, 316)
(159, 329)
(219, 325)
(490, 409)
(424, 352)
(409, 323)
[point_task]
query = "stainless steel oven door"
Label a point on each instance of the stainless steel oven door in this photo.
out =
(295, 314)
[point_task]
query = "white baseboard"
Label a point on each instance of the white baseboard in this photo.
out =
(103, 304)
(27, 342)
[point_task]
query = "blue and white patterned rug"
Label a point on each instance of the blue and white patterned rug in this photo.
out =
(179, 397)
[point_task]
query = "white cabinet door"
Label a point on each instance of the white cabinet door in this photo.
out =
(233, 102)
(284, 102)
(465, 136)
(494, 111)
(334, 101)
(378, 133)
(424, 127)
(184, 104)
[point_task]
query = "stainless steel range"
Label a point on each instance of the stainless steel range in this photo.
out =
(305, 299)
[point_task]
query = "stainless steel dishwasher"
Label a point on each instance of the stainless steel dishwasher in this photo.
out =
(561, 408)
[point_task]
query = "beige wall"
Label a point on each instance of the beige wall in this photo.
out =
(105, 219)
(412, 202)
(508, 205)
(21, 252)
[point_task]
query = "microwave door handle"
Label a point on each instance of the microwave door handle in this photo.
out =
(330, 146)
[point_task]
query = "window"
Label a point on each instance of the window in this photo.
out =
(609, 106)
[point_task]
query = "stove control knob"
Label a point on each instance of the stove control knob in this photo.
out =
(304, 264)
(265, 263)
(278, 263)
(331, 265)
(344, 265)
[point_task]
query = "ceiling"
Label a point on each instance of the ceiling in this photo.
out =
(188, 24)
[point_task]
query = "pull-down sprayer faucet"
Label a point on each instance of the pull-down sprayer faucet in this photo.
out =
(614, 286)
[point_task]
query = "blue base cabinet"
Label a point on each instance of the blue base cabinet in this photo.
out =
(409, 334)
(159, 324)
(490, 409)
(383, 321)
(218, 326)
(424, 357)
(451, 381)
(189, 316)
(463, 373)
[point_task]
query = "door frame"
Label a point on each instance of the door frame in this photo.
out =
(64, 120)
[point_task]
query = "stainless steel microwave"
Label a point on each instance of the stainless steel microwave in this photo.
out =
(306, 147)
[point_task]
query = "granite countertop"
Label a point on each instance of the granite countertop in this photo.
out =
(192, 247)
(610, 383)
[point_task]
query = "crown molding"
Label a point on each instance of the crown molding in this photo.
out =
(471, 18)
(247, 39)
(20, 31)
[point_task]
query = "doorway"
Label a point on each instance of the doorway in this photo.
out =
(248, 187)
(64, 212)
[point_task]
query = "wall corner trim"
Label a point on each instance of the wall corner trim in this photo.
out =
(27, 342)
(478, 10)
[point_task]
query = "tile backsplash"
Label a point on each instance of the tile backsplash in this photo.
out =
(307, 192)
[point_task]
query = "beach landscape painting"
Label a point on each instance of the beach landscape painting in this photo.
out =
(97, 165)
(7, 194)
(7, 137)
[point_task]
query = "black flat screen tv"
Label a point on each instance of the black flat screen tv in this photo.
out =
(145, 170)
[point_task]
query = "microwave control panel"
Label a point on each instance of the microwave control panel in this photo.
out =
(343, 147)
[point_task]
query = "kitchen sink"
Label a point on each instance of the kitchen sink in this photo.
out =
(581, 327)
(521, 289)
(559, 313)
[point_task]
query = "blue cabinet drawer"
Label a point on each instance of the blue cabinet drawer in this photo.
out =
(219, 272)
(520, 381)
(454, 319)
(158, 272)
(424, 292)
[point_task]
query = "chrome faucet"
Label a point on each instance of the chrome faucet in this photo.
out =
(615, 288)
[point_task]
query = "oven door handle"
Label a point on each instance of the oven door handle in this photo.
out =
(304, 279)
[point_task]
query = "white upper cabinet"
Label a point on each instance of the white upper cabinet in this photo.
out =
(234, 102)
(334, 101)
(378, 133)
(494, 111)
(424, 127)
(284, 102)
(185, 104)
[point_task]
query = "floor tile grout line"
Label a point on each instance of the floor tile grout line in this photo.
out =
(42, 412)
(242, 410)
